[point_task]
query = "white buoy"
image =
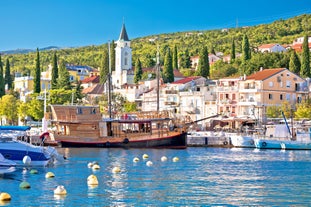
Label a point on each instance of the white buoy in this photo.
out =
(49, 175)
(136, 159)
(92, 180)
(96, 167)
(5, 196)
(163, 158)
(145, 156)
(116, 170)
(175, 159)
(149, 163)
(60, 190)
(90, 165)
(26, 160)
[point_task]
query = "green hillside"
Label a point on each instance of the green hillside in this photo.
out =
(281, 31)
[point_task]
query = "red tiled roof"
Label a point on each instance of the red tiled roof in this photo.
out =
(267, 45)
(96, 89)
(186, 80)
(264, 74)
(92, 79)
(177, 73)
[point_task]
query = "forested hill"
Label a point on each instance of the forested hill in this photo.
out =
(144, 48)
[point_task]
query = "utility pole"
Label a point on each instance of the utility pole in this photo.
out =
(158, 79)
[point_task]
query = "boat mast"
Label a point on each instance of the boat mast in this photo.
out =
(158, 79)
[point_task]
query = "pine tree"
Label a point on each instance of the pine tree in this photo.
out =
(246, 52)
(294, 63)
(37, 78)
(2, 84)
(54, 72)
(8, 77)
(232, 55)
(113, 56)
(168, 72)
(175, 58)
(104, 70)
(203, 66)
(138, 71)
(305, 58)
(63, 81)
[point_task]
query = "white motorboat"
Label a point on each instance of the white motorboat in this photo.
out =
(242, 141)
(23, 153)
(6, 166)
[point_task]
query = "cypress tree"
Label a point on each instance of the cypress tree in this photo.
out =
(54, 72)
(8, 77)
(203, 66)
(37, 85)
(185, 61)
(168, 72)
(138, 71)
(305, 58)
(294, 63)
(113, 56)
(213, 50)
(2, 84)
(246, 52)
(232, 55)
(104, 70)
(175, 58)
(63, 81)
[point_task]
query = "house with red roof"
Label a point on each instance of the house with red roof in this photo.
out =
(273, 47)
(297, 44)
(270, 87)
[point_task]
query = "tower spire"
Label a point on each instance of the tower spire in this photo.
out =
(123, 34)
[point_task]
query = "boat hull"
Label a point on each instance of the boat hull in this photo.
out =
(242, 141)
(267, 144)
(16, 151)
(294, 145)
(176, 141)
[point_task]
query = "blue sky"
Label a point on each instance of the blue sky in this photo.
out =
(73, 23)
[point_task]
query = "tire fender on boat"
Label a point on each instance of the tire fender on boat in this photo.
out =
(126, 141)
(264, 144)
(225, 143)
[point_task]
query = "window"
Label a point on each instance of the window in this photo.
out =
(270, 96)
(79, 110)
(287, 84)
(93, 111)
(287, 97)
(125, 61)
(281, 96)
(270, 84)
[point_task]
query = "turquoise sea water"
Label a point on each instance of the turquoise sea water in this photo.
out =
(201, 177)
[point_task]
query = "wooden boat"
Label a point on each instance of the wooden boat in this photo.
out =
(83, 126)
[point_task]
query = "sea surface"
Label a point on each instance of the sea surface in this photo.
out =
(201, 177)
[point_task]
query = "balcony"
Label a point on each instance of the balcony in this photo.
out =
(227, 89)
(170, 103)
(171, 92)
(249, 90)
